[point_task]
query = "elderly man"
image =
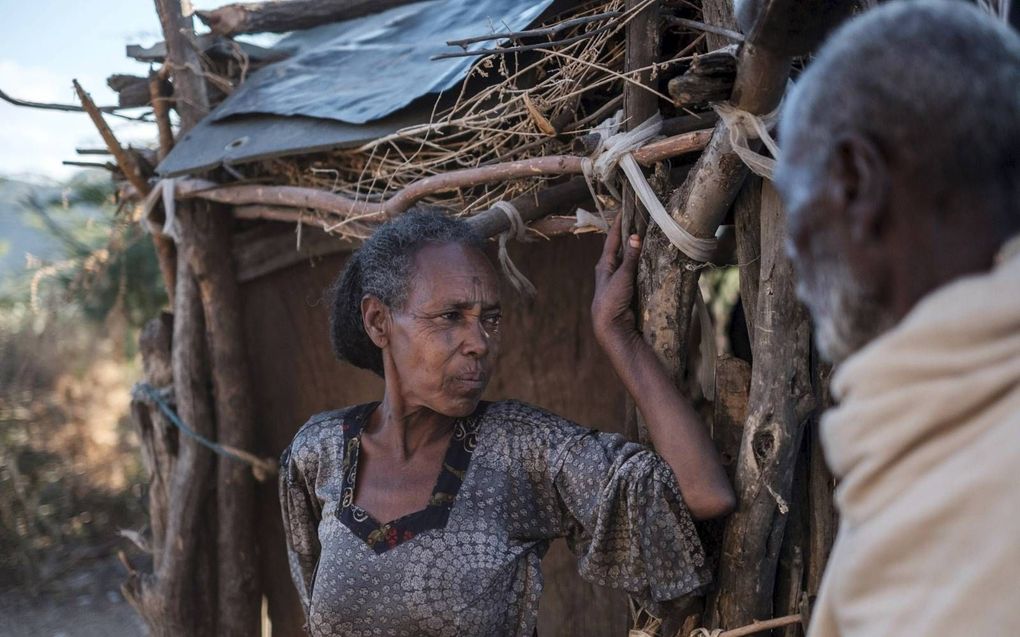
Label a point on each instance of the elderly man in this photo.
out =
(901, 178)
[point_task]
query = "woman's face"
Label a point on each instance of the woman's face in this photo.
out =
(444, 341)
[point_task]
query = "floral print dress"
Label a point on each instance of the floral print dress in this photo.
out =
(515, 477)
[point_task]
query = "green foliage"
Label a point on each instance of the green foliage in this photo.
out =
(106, 263)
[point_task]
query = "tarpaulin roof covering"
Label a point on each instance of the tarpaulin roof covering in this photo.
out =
(348, 73)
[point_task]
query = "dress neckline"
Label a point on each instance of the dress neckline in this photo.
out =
(382, 536)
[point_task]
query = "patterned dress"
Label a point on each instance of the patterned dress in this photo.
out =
(515, 477)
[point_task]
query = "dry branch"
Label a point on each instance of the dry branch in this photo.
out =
(70, 108)
(291, 15)
(532, 33)
(730, 34)
(345, 207)
(165, 251)
(159, 93)
(125, 160)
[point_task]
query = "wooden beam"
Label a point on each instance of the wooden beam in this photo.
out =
(132, 90)
(747, 222)
(290, 15)
(559, 199)
(206, 244)
(345, 207)
(159, 96)
(780, 403)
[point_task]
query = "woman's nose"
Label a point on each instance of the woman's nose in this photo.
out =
(476, 339)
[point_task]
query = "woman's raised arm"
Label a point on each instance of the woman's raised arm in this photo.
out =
(675, 428)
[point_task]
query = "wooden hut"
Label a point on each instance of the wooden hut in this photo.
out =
(285, 157)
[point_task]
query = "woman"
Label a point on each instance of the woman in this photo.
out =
(428, 513)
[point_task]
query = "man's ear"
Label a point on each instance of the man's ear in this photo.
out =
(376, 317)
(860, 185)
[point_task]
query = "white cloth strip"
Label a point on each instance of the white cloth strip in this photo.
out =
(614, 150)
(518, 230)
(743, 126)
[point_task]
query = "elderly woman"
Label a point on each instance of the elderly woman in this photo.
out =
(428, 512)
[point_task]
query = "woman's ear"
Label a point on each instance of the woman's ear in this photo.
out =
(376, 318)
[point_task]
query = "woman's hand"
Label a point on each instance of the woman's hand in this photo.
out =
(611, 312)
(675, 429)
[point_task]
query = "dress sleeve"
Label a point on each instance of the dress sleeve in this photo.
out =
(301, 515)
(625, 519)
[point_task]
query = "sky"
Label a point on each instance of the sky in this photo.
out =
(44, 44)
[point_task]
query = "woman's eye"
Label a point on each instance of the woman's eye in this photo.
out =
(493, 321)
(450, 316)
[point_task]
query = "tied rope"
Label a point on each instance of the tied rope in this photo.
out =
(262, 468)
(163, 191)
(519, 231)
(744, 126)
(614, 150)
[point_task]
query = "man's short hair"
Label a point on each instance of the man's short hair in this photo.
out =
(934, 84)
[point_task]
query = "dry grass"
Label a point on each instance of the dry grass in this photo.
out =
(510, 107)
(70, 472)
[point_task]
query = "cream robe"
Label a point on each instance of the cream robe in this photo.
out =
(926, 442)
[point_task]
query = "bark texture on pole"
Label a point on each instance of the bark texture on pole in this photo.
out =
(718, 13)
(780, 403)
(206, 244)
(168, 599)
(642, 49)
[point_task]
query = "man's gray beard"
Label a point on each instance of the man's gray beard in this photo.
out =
(846, 314)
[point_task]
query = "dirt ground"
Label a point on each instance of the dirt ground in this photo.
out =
(85, 603)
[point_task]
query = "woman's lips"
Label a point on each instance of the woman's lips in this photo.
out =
(471, 381)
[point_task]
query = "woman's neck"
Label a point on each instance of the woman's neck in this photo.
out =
(405, 428)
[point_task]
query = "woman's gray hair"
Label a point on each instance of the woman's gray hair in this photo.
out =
(935, 83)
(384, 268)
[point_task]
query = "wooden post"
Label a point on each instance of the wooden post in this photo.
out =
(718, 13)
(206, 251)
(822, 516)
(642, 49)
(206, 244)
(747, 220)
(170, 598)
(781, 401)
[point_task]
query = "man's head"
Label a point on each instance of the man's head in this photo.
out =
(900, 168)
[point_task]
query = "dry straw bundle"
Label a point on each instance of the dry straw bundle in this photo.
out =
(533, 96)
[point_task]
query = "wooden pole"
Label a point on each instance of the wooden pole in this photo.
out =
(168, 599)
(642, 51)
(780, 403)
(161, 110)
(206, 248)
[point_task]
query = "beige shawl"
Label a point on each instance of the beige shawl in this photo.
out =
(926, 442)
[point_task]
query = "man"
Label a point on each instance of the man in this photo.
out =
(901, 178)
